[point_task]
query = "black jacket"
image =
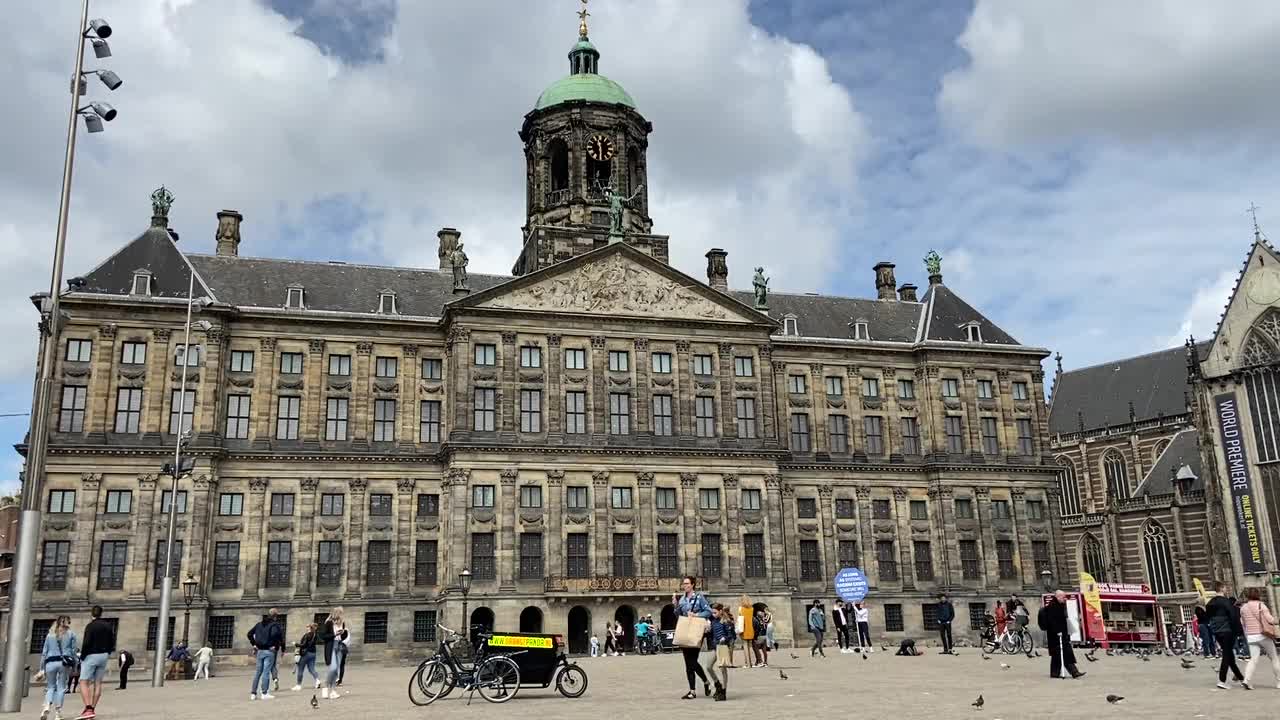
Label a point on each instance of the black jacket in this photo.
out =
(946, 612)
(1223, 617)
(307, 644)
(327, 636)
(273, 634)
(98, 638)
(1053, 619)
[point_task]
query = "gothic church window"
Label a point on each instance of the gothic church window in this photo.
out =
(1155, 546)
(1092, 558)
(1117, 476)
(1069, 484)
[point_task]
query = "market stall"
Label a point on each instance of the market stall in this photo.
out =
(1130, 615)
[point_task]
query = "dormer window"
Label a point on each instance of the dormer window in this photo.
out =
(142, 282)
(387, 303)
(294, 300)
(790, 325)
(860, 331)
(973, 332)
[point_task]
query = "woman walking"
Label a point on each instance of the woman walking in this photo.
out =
(306, 656)
(1260, 631)
(722, 627)
(333, 634)
(610, 647)
(56, 660)
(690, 603)
(204, 658)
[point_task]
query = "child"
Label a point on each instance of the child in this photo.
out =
(722, 635)
(595, 646)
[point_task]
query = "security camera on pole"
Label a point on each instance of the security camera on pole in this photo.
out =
(24, 572)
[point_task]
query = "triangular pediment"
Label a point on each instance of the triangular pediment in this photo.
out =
(1249, 332)
(619, 281)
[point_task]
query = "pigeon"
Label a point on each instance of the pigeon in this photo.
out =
(1109, 653)
(1090, 658)
(864, 656)
(885, 648)
(1037, 653)
(782, 675)
(1005, 666)
(979, 702)
(795, 656)
(986, 657)
(1146, 659)
(1187, 663)
(314, 704)
(1113, 699)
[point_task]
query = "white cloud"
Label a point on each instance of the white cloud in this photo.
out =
(1207, 305)
(754, 146)
(1134, 69)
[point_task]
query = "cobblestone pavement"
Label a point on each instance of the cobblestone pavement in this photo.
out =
(882, 686)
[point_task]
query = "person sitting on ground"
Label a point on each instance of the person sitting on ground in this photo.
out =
(907, 648)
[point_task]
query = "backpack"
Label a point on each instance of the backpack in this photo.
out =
(1042, 618)
(758, 626)
(262, 636)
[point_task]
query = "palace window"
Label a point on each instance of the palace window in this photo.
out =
(340, 365)
(182, 409)
(619, 414)
(294, 297)
(624, 561)
(291, 363)
(222, 631)
(919, 509)
(141, 283)
(531, 411)
(71, 412)
(482, 496)
(386, 367)
(1025, 444)
(810, 561)
(281, 504)
(973, 332)
(790, 326)
(238, 416)
(950, 388)
(619, 361)
(744, 366)
(135, 353)
(329, 564)
(335, 421)
(378, 571)
(486, 354)
(750, 499)
(530, 556)
(661, 363)
(54, 563)
(432, 369)
(428, 505)
(425, 562)
(531, 357)
(964, 509)
(332, 504)
(847, 553)
(1040, 554)
(709, 498)
(576, 359)
(923, 553)
(424, 626)
(62, 501)
(844, 509)
(886, 560)
(797, 384)
(753, 555)
(702, 365)
(711, 566)
(530, 496)
(578, 560)
(910, 436)
(375, 628)
(990, 442)
(665, 498)
(970, 566)
(1020, 390)
(873, 425)
(838, 433)
(860, 331)
(288, 416)
(429, 425)
(1000, 509)
(111, 564)
(79, 350)
(906, 390)
(279, 563)
(230, 504)
(380, 505)
(951, 425)
(387, 303)
(880, 509)
(1035, 510)
(482, 565)
(575, 497)
(575, 412)
(1004, 557)
(704, 415)
(746, 417)
(985, 390)
(893, 617)
(806, 508)
(128, 409)
(669, 555)
(800, 432)
(870, 388)
(484, 409)
(621, 498)
(119, 501)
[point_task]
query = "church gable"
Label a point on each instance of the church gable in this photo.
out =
(1249, 332)
(616, 280)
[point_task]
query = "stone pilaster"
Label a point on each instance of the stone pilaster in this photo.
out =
(508, 400)
(360, 411)
(200, 504)
(867, 552)
(600, 522)
(208, 394)
(641, 411)
(990, 563)
(81, 580)
(969, 403)
(1025, 561)
(733, 558)
(929, 393)
(906, 556)
(648, 564)
(768, 415)
(404, 537)
(598, 421)
(790, 531)
(252, 552)
(407, 407)
(726, 424)
(684, 393)
(818, 396)
(458, 481)
(508, 556)
(944, 533)
(265, 370)
(355, 533)
(892, 412)
(555, 522)
(553, 404)
(144, 532)
(305, 566)
(311, 424)
(1040, 416)
(101, 393)
(827, 520)
(775, 541)
(153, 397)
(460, 362)
(689, 542)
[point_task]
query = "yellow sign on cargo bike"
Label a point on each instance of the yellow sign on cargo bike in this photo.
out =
(517, 641)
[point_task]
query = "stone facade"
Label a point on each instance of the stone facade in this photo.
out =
(578, 436)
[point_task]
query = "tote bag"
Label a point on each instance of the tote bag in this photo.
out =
(690, 631)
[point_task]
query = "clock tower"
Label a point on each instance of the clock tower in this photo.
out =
(585, 148)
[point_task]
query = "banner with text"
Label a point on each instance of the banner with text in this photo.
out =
(1242, 497)
(851, 585)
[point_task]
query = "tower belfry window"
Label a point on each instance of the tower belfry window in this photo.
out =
(559, 165)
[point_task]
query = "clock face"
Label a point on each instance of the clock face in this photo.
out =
(1264, 287)
(600, 147)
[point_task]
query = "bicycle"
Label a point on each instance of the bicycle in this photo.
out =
(495, 677)
(1017, 640)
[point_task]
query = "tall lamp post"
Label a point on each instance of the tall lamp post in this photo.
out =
(180, 467)
(24, 571)
(464, 583)
(188, 594)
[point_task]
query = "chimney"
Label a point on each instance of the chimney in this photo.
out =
(907, 293)
(228, 234)
(717, 270)
(884, 280)
(448, 242)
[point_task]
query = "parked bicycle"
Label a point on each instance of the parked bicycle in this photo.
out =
(1014, 639)
(495, 676)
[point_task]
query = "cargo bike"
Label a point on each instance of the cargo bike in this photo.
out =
(503, 663)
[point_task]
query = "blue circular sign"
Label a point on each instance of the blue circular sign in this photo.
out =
(851, 585)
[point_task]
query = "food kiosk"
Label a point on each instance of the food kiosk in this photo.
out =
(1130, 616)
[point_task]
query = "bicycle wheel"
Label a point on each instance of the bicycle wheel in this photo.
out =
(498, 679)
(572, 681)
(432, 681)
(1008, 644)
(1027, 643)
(990, 645)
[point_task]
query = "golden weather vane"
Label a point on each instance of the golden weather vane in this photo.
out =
(582, 20)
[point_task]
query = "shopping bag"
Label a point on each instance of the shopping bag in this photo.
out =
(690, 631)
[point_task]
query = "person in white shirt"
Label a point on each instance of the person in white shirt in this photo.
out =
(862, 616)
(204, 658)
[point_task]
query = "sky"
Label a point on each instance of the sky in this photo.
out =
(1084, 168)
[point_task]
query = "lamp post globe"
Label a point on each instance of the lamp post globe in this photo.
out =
(1046, 580)
(188, 594)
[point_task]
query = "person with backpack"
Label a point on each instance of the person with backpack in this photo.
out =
(722, 633)
(817, 626)
(760, 645)
(264, 637)
(1260, 630)
(1053, 621)
(1224, 622)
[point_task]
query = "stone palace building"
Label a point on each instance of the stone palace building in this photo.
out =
(578, 434)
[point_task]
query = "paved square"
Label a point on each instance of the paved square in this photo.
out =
(883, 686)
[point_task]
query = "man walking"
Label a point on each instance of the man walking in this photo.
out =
(1053, 620)
(817, 626)
(99, 643)
(946, 613)
(265, 637)
(1224, 621)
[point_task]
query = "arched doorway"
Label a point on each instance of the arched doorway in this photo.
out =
(579, 630)
(531, 620)
(667, 619)
(626, 616)
(483, 617)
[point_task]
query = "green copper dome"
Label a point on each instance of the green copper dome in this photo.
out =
(584, 86)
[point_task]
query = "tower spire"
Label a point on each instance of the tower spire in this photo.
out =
(582, 21)
(1253, 212)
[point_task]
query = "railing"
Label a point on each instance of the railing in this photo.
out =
(557, 197)
(612, 583)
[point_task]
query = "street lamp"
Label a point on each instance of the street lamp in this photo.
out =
(24, 570)
(188, 594)
(464, 582)
(180, 467)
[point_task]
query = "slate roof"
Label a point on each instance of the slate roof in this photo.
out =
(1182, 456)
(1155, 383)
(259, 282)
(828, 316)
(153, 250)
(947, 314)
